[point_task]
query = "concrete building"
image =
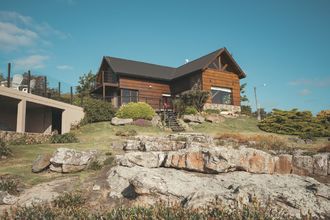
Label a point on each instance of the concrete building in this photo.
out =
(25, 112)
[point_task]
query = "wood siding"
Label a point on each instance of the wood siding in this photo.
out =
(222, 79)
(185, 83)
(149, 91)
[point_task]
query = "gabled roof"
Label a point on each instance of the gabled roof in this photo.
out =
(154, 71)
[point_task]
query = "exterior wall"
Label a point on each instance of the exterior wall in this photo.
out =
(186, 83)
(38, 119)
(222, 79)
(149, 91)
(71, 114)
(230, 108)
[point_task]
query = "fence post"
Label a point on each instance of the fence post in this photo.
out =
(8, 77)
(59, 89)
(71, 95)
(28, 82)
(45, 86)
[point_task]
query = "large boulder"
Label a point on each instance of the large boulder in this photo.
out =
(143, 159)
(295, 195)
(193, 118)
(41, 163)
(121, 121)
(320, 166)
(214, 118)
(283, 164)
(302, 165)
(7, 199)
(69, 160)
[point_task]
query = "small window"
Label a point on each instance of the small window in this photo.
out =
(221, 95)
(128, 95)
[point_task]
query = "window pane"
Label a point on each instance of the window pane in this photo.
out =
(134, 96)
(221, 96)
(129, 96)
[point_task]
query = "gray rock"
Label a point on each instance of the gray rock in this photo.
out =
(144, 159)
(41, 163)
(302, 165)
(193, 118)
(7, 199)
(69, 160)
(294, 194)
(156, 121)
(121, 121)
(320, 166)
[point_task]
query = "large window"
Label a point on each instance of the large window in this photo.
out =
(128, 95)
(221, 95)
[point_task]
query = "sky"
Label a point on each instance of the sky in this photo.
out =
(283, 46)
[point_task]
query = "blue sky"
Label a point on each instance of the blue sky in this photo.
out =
(283, 44)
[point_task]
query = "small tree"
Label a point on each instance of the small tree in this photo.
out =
(192, 98)
(244, 98)
(86, 84)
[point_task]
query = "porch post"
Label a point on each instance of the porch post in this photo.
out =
(21, 115)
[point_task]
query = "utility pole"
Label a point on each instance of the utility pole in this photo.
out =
(258, 109)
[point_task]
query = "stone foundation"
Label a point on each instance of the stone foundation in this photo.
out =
(231, 108)
(27, 138)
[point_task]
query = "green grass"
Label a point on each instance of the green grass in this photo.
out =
(98, 136)
(240, 125)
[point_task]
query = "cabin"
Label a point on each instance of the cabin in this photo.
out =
(121, 81)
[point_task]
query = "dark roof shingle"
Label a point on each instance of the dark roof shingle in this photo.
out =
(147, 70)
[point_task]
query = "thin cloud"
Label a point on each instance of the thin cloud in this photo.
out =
(311, 82)
(30, 62)
(305, 92)
(19, 31)
(64, 67)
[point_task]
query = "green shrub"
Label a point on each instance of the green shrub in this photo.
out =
(97, 110)
(212, 111)
(307, 136)
(95, 165)
(294, 122)
(192, 98)
(69, 200)
(8, 184)
(190, 110)
(136, 110)
(246, 110)
(4, 149)
(64, 138)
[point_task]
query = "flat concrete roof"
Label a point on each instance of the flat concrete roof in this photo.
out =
(13, 93)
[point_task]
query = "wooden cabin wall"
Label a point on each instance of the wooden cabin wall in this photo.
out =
(149, 90)
(217, 78)
(186, 83)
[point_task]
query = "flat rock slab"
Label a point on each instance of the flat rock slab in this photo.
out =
(41, 163)
(291, 193)
(121, 121)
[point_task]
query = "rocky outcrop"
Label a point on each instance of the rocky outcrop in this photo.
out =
(193, 118)
(214, 118)
(293, 194)
(7, 199)
(41, 163)
(66, 160)
(121, 121)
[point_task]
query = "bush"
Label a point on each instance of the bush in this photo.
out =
(212, 111)
(190, 110)
(9, 184)
(246, 110)
(64, 138)
(191, 98)
(294, 122)
(69, 200)
(97, 110)
(4, 150)
(136, 110)
(95, 165)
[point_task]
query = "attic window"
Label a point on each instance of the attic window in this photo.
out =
(221, 95)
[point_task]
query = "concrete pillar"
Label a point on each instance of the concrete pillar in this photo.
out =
(21, 114)
(65, 122)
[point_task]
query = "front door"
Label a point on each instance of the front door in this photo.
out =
(166, 100)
